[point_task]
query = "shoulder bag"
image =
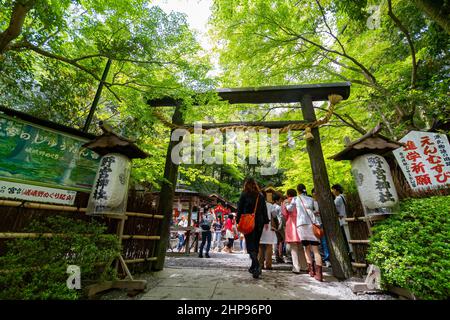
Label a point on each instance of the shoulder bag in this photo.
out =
(318, 232)
(247, 221)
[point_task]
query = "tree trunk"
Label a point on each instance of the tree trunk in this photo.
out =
(437, 11)
(166, 196)
(18, 15)
(339, 257)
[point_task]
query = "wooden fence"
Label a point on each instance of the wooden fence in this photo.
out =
(138, 237)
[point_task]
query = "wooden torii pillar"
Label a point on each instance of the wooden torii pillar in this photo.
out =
(305, 94)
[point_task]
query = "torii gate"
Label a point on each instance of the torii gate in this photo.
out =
(305, 94)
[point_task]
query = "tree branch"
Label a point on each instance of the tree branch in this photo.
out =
(328, 27)
(29, 46)
(73, 62)
(363, 83)
(403, 29)
(335, 61)
(295, 36)
(14, 29)
(350, 123)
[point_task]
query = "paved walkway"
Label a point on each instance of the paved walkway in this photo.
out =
(225, 277)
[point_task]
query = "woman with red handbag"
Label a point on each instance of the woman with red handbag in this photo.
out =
(252, 218)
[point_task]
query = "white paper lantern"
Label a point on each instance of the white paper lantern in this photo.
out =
(110, 191)
(374, 181)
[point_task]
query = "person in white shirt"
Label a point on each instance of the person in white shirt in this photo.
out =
(340, 203)
(268, 239)
(305, 220)
(183, 223)
(280, 230)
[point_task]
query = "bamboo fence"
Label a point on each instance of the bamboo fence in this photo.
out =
(138, 237)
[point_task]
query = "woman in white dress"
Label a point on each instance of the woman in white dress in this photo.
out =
(268, 239)
(305, 220)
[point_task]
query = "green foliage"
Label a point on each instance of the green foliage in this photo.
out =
(52, 69)
(258, 43)
(292, 42)
(412, 250)
(35, 268)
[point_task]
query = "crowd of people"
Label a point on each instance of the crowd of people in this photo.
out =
(286, 224)
(283, 228)
(218, 233)
(217, 228)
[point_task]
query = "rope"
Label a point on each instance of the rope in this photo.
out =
(334, 99)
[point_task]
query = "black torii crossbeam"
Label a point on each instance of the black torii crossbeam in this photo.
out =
(305, 94)
(274, 94)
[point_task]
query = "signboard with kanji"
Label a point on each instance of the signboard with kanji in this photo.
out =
(35, 155)
(20, 191)
(425, 160)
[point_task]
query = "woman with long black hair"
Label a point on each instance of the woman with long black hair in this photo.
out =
(252, 200)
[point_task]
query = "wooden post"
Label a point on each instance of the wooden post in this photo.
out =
(197, 234)
(188, 236)
(166, 196)
(339, 257)
(97, 96)
(120, 228)
(368, 222)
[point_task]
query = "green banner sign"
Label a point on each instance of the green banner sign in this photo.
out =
(40, 156)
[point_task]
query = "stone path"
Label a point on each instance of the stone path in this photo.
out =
(225, 277)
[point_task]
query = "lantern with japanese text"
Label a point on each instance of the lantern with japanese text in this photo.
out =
(110, 192)
(374, 181)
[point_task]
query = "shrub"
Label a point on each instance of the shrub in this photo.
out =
(412, 250)
(35, 268)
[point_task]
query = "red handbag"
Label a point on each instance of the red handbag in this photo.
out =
(318, 232)
(247, 221)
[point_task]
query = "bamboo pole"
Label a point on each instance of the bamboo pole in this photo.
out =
(359, 241)
(138, 237)
(359, 265)
(366, 218)
(141, 260)
(43, 206)
(144, 215)
(125, 268)
(18, 235)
